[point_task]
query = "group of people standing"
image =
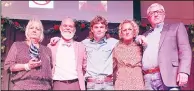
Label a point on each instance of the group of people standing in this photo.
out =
(160, 59)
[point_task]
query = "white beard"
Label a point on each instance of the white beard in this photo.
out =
(67, 35)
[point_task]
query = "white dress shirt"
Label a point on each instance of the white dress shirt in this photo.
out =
(150, 54)
(65, 68)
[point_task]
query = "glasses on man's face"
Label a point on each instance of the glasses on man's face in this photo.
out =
(151, 13)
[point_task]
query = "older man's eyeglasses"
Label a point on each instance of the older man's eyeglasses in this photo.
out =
(151, 13)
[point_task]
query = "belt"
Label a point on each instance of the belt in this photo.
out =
(67, 81)
(108, 78)
(151, 71)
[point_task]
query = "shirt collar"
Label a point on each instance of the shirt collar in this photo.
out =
(103, 40)
(159, 25)
(63, 43)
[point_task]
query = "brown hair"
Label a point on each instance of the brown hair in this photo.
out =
(97, 19)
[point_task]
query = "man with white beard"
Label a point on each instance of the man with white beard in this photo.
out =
(99, 47)
(69, 59)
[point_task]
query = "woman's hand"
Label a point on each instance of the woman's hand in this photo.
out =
(34, 63)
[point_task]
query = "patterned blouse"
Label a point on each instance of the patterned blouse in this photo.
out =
(127, 63)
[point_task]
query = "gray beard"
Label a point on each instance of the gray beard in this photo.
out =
(67, 35)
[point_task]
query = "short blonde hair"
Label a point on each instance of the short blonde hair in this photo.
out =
(133, 24)
(155, 5)
(32, 22)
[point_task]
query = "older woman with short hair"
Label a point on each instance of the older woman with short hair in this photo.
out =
(127, 58)
(29, 62)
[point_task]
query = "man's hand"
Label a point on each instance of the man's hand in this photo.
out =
(54, 40)
(182, 79)
(141, 40)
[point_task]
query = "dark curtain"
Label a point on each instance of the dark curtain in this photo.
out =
(15, 35)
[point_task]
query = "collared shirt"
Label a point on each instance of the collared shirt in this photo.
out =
(150, 54)
(65, 68)
(99, 56)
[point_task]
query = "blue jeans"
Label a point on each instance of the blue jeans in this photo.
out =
(154, 82)
(99, 84)
(103, 86)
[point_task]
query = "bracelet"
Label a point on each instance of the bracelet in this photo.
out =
(26, 66)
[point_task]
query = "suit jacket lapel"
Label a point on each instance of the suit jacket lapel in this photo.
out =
(75, 45)
(163, 34)
(54, 51)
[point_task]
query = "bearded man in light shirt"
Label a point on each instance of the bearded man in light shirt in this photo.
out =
(69, 59)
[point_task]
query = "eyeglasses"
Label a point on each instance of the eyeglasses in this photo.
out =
(151, 13)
